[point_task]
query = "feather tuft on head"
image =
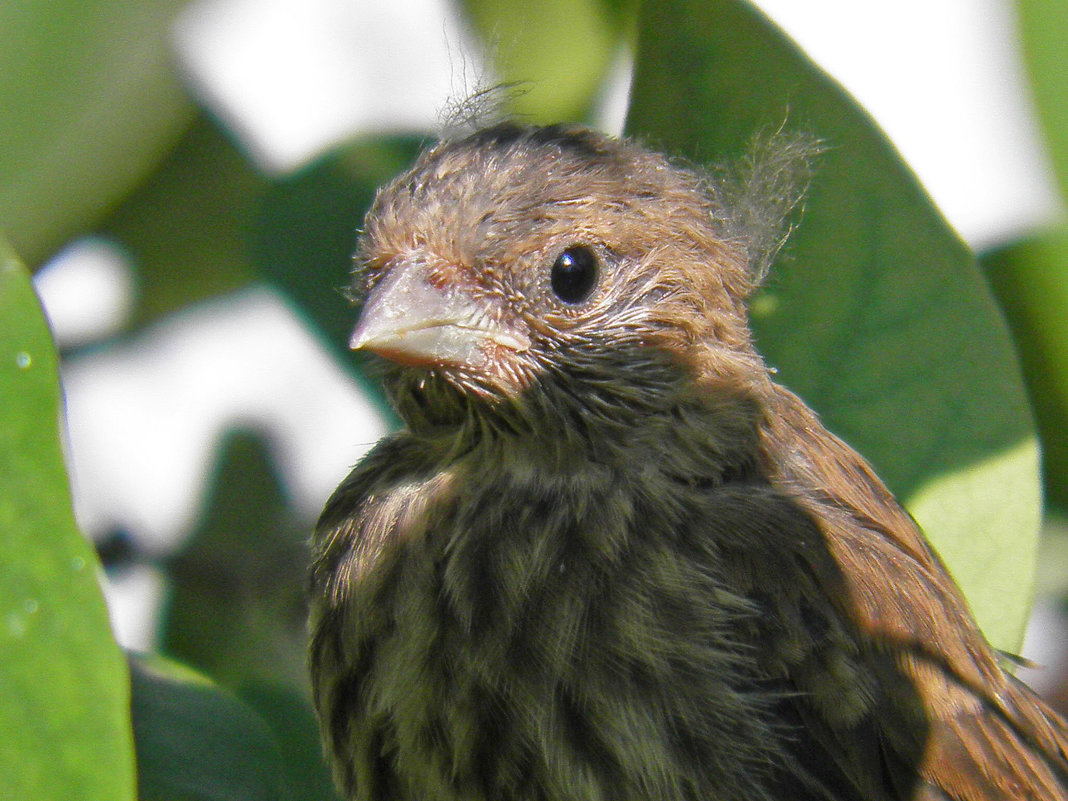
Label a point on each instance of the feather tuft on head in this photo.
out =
(761, 196)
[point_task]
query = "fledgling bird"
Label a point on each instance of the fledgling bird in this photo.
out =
(607, 557)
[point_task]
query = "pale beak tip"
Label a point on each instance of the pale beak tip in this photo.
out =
(358, 339)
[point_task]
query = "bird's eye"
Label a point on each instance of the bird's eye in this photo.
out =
(574, 274)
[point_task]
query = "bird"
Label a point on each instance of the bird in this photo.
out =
(606, 555)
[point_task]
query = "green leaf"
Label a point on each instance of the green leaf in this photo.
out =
(877, 316)
(556, 52)
(89, 103)
(291, 717)
(1043, 27)
(1028, 277)
(196, 742)
(186, 227)
(236, 607)
(305, 229)
(64, 704)
(305, 234)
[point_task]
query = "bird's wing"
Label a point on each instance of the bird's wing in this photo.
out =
(776, 556)
(886, 683)
(947, 720)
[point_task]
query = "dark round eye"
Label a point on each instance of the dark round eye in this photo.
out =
(574, 274)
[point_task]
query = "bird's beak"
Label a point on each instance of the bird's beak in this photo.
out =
(412, 321)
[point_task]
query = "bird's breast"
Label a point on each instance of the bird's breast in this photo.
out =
(562, 632)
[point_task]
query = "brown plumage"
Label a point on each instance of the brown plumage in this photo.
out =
(607, 557)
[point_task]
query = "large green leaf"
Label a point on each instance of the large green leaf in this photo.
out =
(878, 315)
(196, 742)
(88, 104)
(64, 698)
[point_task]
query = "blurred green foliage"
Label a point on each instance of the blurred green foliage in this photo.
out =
(1029, 276)
(877, 315)
(89, 105)
(555, 52)
(186, 225)
(197, 742)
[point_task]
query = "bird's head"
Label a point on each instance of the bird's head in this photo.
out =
(523, 269)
